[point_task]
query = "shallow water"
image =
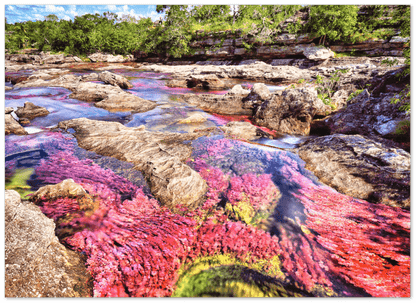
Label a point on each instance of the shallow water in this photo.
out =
(292, 204)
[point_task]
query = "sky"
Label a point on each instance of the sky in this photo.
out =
(21, 13)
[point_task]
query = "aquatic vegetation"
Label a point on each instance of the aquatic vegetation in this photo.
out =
(18, 182)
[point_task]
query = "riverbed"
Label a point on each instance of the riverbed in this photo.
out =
(302, 237)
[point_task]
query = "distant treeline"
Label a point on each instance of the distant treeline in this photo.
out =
(170, 37)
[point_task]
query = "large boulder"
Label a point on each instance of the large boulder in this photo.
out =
(291, 111)
(230, 103)
(318, 53)
(258, 94)
(114, 79)
(360, 167)
(31, 111)
(159, 156)
(210, 81)
(99, 57)
(36, 264)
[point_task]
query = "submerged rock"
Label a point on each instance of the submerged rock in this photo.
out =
(360, 167)
(31, 111)
(159, 156)
(195, 118)
(36, 264)
(66, 188)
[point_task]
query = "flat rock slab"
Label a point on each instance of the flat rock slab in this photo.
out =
(255, 71)
(159, 156)
(360, 167)
(37, 265)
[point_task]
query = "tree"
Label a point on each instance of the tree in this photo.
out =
(332, 22)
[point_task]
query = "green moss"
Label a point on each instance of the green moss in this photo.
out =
(224, 276)
(18, 182)
(196, 279)
(243, 211)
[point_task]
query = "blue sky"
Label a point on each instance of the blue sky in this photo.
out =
(21, 13)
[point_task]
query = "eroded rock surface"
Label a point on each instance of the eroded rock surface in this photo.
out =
(229, 104)
(31, 111)
(291, 111)
(360, 167)
(36, 264)
(159, 156)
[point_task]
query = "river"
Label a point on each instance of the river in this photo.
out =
(328, 244)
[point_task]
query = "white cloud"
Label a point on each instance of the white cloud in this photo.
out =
(39, 17)
(10, 7)
(111, 7)
(125, 8)
(66, 18)
(53, 8)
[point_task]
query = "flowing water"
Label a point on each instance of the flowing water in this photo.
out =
(323, 251)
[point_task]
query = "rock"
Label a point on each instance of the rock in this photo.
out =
(360, 167)
(177, 83)
(238, 90)
(11, 126)
(7, 87)
(242, 130)
(229, 104)
(195, 118)
(111, 98)
(18, 79)
(318, 53)
(259, 93)
(205, 81)
(386, 126)
(258, 71)
(114, 79)
(67, 188)
(159, 156)
(291, 111)
(31, 111)
(98, 57)
(36, 264)
(8, 110)
(339, 98)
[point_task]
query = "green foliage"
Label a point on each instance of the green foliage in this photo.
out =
(332, 22)
(18, 182)
(327, 87)
(403, 128)
(354, 94)
(403, 99)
